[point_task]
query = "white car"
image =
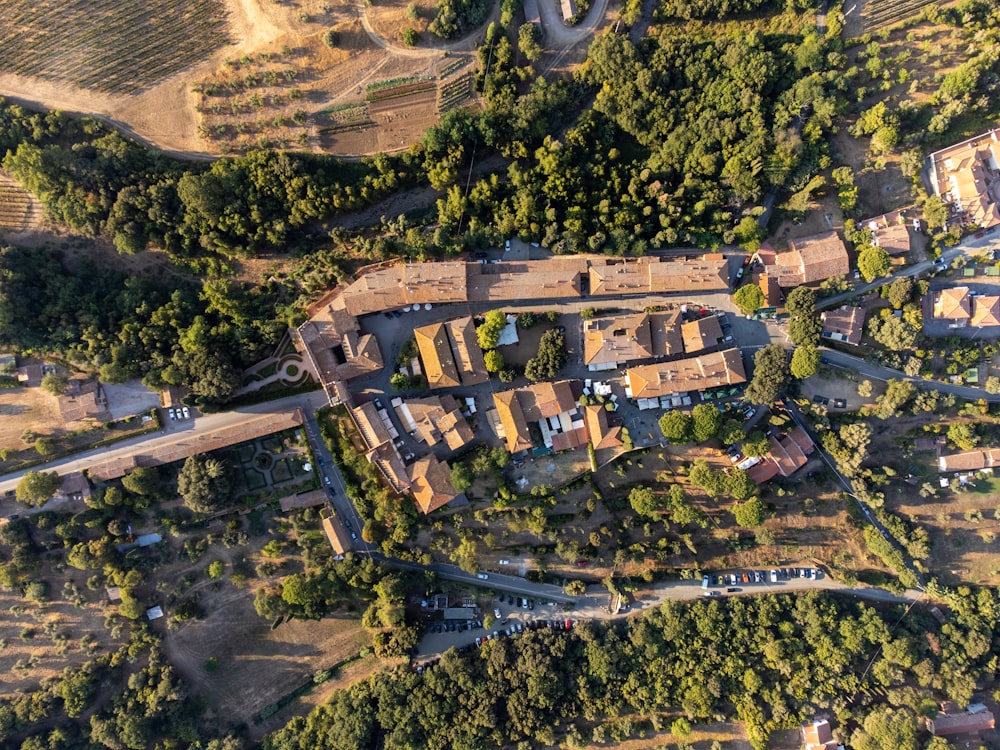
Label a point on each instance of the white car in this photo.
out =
(482, 576)
(187, 412)
(506, 246)
(173, 415)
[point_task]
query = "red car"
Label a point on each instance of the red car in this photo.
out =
(582, 563)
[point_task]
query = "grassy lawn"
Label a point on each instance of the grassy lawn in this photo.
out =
(246, 452)
(255, 480)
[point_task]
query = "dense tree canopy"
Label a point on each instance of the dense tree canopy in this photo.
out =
(204, 483)
(770, 375)
(36, 487)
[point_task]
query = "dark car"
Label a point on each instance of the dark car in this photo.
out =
(731, 589)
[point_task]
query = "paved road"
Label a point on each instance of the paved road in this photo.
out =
(877, 372)
(173, 433)
(595, 606)
(336, 491)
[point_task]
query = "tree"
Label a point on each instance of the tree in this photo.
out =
(886, 728)
(935, 213)
(494, 360)
(895, 334)
(705, 422)
(803, 325)
(748, 298)
(899, 291)
(550, 358)
(756, 445)
(331, 38)
(410, 37)
(527, 42)
(216, 569)
(36, 487)
(117, 527)
(142, 481)
(488, 333)
(644, 501)
(805, 362)
(203, 483)
(55, 383)
(676, 426)
(865, 389)
(750, 513)
(963, 435)
(770, 375)
(873, 262)
(992, 385)
(461, 477)
(749, 234)
(45, 446)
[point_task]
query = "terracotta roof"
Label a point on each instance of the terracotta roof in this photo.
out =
(431, 483)
(435, 353)
(555, 277)
(980, 458)
(966, 175)
(986, 311)
(770, 287)
(406, 284)
(817, 736)
(83, 399)
(790, 452)
(602, 434)
(516, 408)
(844, 324)
(438, 418)
(370, 425)
(962, 723)
(336, 534)
(614, 340)
(515, 426)
(654, 275)
(333, 341)
(390, 463)
(465, 349)
(692, 374)
(953, 303)
(701, 334)
(812, 259)
(763, 471)
(893, 238)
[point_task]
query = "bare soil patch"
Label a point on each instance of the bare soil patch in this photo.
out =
(27, 409)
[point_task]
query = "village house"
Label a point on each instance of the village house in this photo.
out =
(953, 304)
(967, 177)
(434, 420)
(808, 260)
(844, 324)
(818, 735)
(450, 354)
(890, 232)
(701, 334)
(430, 483)
(335, 534)
(610, 342)
(788, 454)
(974, 719)
(974, 460)
(602, 434)
(552, 407)
(684, 375)
(378, 433)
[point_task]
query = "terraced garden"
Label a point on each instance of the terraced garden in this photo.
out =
(109, 45)
(882, 14)
(18, 209)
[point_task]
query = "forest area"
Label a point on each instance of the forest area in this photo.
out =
(770, 662)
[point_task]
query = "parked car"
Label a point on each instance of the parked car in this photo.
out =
(173, 415)
(496, 613)
(187, 412)
(482, 576)
(326, 479)
(378, 403)
(774, 576)
(506, 246)
(709, 593)
(731, 590)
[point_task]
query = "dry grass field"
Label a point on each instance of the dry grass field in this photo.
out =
(256, 665)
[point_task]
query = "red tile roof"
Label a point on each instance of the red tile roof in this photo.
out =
(682, 375)
(812, 259)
